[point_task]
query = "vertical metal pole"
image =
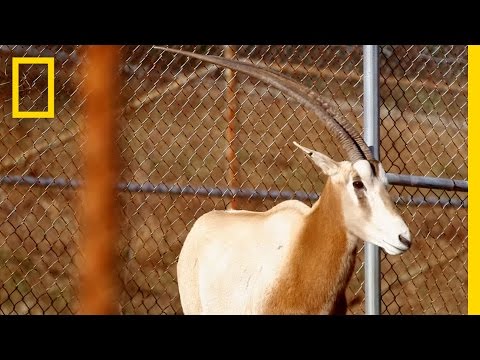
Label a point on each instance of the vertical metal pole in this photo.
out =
(230, 111)
(372, 138)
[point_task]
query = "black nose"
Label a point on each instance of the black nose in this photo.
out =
(404, 241)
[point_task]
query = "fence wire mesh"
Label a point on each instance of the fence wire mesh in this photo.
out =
(424, 132)
(191, 131)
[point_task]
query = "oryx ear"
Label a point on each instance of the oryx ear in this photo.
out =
(328, 166)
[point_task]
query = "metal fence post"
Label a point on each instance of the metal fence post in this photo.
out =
(371, 135)
(231, 109)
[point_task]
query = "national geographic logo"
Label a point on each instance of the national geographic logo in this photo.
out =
(16, 113)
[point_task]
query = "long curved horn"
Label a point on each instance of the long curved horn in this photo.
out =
(340, 128)
(328, 107)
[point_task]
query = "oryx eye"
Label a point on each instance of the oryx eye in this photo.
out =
(358, 185)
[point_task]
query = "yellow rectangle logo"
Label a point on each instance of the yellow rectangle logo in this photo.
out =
(16, 113)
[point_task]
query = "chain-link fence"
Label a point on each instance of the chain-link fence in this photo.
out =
(424, 132)
(195, 137)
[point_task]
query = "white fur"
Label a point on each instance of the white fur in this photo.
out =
(238, 256)
(231, 260)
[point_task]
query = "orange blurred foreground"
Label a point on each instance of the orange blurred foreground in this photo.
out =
(98, 289)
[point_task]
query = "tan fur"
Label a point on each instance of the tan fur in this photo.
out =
(291, 259)
(320, 265)
(317, 267)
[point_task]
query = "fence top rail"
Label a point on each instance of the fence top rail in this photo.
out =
(207, 191)
(427, 182)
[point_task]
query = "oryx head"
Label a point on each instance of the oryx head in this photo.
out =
(368, 211)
